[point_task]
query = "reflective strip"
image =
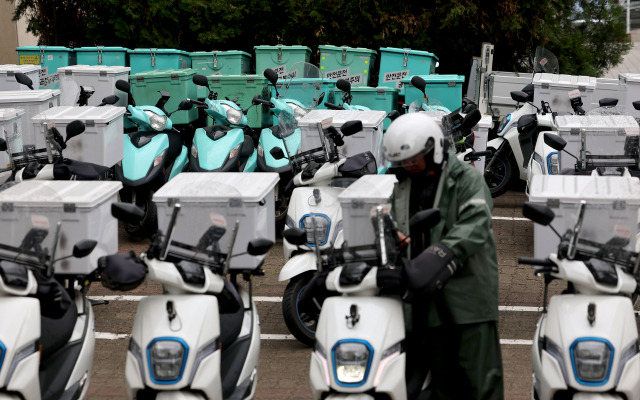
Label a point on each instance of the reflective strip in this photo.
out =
(474, 202)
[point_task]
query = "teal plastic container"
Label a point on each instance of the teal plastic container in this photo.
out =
(100, 55)
(376, 98)
(280, 57)
(50, 58)
(351, 63)
(447, 89)
(232, 62)
(397, 64)
(141, 60)
(179, 84)
(298, 89)
(244, 87)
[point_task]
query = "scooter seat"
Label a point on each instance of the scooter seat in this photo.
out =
(231, 314)
(56, 332)
(247, 147)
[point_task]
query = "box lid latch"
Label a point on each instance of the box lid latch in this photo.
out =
(406, 57)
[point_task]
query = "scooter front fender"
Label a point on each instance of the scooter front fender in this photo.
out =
(298, 265)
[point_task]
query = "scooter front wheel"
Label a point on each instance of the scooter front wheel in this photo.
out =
(499, 175)
(149, 223)
(302, 322)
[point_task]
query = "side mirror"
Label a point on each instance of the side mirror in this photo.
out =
(393, 114)
(344, 85)
(277, 153)
(23, 79)
(258, 247)
(84, 247)
(200, 80)
(271, 75)
(538, 213)
(608, 102)
(554, 141)
(351, 127)
(419, 82)
(295, 236)
(110, 100)
(636, 104)
(123, 86)
(74, 128)
(127, 212)
(427, 218)
(519, 96)
(3, 145)
(185, 105)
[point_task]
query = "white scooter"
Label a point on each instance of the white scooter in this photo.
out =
(47, 331)
(320, 175)
(201, 338)
(353, 357)
(586, 341)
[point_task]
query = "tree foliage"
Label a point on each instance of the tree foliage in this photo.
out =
(588, 36)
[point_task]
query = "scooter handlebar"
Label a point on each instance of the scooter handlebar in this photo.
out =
(543, 262)
(332, 106)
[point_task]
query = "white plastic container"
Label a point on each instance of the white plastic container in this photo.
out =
(632, 84)
(481, 135)
(99, 78)
(612, 88)
(100, 143)
(501, 84)
(32, 102)
(221, 199)
(369, 139)
(83, 207)
(11, 131)
(619, 197)
(555, 88)
(358, 200)
(603, 135)
(8, 76)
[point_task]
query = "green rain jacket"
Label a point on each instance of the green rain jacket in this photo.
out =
(465, 204)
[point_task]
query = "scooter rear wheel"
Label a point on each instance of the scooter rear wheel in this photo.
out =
(499, 176)
(302, 323)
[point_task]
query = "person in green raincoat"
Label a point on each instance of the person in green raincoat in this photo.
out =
(451, 270)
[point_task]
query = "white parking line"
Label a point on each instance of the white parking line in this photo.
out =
(511, 218)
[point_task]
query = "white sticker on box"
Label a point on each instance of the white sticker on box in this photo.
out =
(218, 220)
(342, 73)
(575, 93)
(50, 57)
(355, 79)
(281, 70)
(39, 221)
(630, 131)
(327, 122)
(621, 230)
(395, 76)
(50, 124)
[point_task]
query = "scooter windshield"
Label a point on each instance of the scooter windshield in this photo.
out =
(428, 104)
(545, 61)
(303, 82)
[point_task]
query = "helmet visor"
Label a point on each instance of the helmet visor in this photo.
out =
(416, 162)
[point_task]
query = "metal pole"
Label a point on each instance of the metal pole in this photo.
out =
(628, 16)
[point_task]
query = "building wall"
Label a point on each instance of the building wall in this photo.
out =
(12, 34)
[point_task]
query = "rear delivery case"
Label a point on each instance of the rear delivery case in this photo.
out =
(210, 198)
(84, 208)
(8, 76)
(555, 88)
(100, 79)
(358, 200)
(101, 142)
(619, 197)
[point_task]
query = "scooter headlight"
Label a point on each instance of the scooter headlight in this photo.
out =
(592, 360)
(553, 166)
(504, 123)
(233, 116)
(322, 225)
(298, 112)
(157, 122)
(158, 160)
(234, 152)
(351, 361)
(167, 357)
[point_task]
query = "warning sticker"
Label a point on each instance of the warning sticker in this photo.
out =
(337, 74)
(30, 59)
(395, 76)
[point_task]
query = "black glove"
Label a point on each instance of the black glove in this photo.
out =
(393, 280)
(431, 270)
(121, 271)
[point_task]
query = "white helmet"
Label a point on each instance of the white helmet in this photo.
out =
(412, 134)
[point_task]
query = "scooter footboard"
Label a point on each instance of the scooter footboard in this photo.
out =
(350, 325)
(175, 338)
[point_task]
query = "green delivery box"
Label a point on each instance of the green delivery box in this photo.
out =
(215, 62)
(244, 87)
(397, 64)
(100, 55)
(178, 82)
(49, 58)
(141, 60)
(446, 89)
(351, 63)
(280, 58)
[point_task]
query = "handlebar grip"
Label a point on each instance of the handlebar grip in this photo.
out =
(332, 106)
(197, 102)
(543, 262)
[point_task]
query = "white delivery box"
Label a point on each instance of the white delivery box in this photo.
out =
(358, 200)
(501, 84)
(32, 102)
(100, 143)
(8, 76)
(100, 79)
(82, 207)
(555, 88)
(369, 139)
(481, 136)
(220, 199)
(610, 88)
(616, 197)
(632, 92)
(11, 131)
(600, 136)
